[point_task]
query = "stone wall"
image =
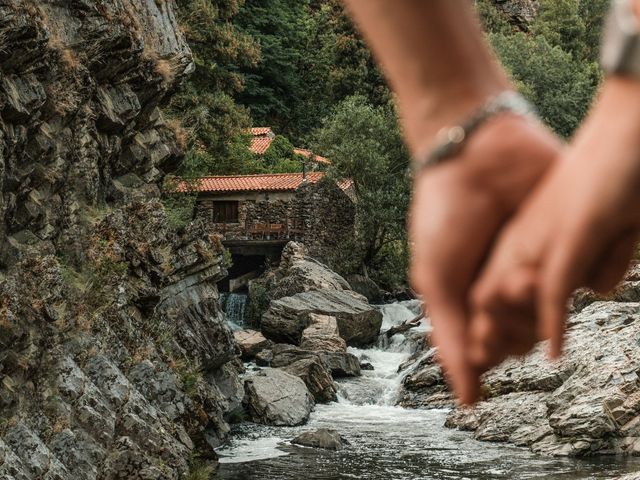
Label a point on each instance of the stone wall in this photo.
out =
(329, 216)
(115, 361)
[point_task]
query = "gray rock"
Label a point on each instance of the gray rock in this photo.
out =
(341, 364)
(366, 287)
(423, 385)
(358, 322)
(264, 358)
(321, 438)
(308, 366)
(299, 273)
(322, 335)
(274, 397)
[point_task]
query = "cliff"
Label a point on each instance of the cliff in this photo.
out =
(115, 361)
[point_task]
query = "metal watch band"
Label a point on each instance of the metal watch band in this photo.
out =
(451, 140)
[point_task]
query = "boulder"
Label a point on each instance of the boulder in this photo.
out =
(264, 358)
(366, 287)
(322, 335)
(322, 438)
(308, 366)
(341, 364)
(251, 342)
(299, 273)
(316, 376)
(423, 385)
(275, 397)
(286, 319)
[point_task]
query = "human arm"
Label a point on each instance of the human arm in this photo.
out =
(437, 62)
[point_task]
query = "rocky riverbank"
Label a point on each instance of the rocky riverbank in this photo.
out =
(586, 404)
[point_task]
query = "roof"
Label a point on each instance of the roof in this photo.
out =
(261, 131)
(260, 145)
(262, 138)
(275, 182)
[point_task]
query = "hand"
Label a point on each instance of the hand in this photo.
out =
(456, 211)
(579, 228)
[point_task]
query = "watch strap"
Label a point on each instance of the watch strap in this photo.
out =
(451, 140)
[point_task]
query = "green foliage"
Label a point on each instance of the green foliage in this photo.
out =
(199, 470)
(279, 158)
(492, 20)
(559, 86)
(365, 144)
(274, 86)
(593, 13)
(561, 24)
(178, 207)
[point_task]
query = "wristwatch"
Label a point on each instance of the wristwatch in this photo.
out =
(620, 52)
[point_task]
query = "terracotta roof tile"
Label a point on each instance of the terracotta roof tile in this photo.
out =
(261, 131)
(277, 182)
(260, 145)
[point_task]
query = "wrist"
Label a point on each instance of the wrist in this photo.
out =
(424, 118)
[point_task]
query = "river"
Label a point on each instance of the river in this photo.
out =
(389, 442)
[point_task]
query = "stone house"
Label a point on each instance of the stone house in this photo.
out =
(310, 207)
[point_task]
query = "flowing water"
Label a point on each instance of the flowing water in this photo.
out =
(388, 442)
(234, 305)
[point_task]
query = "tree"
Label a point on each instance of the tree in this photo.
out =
(274, 85)
(557, 84)
(205, 106)
(365, 144)
(560, 22)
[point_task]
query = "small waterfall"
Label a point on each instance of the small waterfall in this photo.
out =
(380, 385)
(234, 306)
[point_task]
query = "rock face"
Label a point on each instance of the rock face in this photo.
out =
(587, 403)
(321, 438)
(116, 362)
(274, 397)
(520, 13)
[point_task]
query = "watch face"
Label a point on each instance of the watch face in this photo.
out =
(620, 50)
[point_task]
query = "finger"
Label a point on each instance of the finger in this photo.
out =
(568, 262)
(450, 336)
(495, 336)
(614, 264)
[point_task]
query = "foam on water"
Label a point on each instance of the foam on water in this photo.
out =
(252, 449)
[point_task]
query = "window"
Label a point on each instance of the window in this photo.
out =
(225, 212)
